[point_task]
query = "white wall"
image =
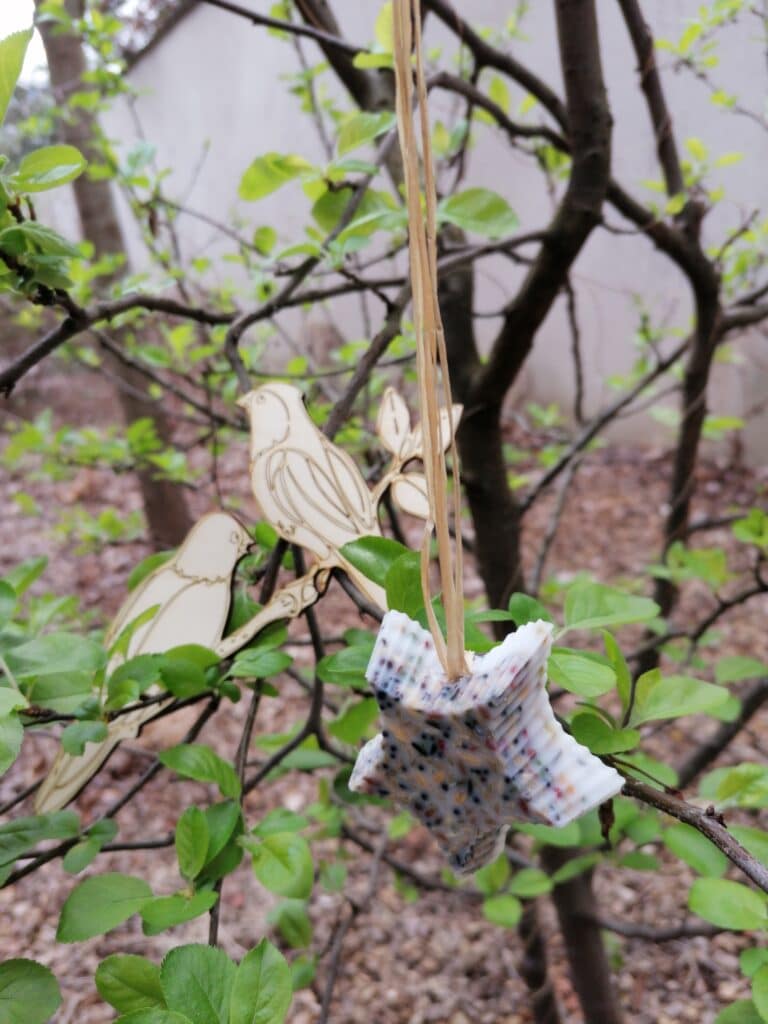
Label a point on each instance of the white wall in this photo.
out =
(215, 81)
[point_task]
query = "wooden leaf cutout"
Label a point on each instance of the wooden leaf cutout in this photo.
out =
(409, 493)
(448, 425)
(393, 424)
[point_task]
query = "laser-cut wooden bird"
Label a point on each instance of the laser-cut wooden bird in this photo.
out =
(309, 490)
(192, 593)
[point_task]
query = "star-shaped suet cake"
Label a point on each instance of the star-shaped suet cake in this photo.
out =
(469, 757)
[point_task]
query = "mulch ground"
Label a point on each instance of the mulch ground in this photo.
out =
(434, 959)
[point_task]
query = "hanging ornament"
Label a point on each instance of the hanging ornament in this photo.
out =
(468, 743)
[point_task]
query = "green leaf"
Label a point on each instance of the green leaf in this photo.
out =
(751, 960)
(262, 990)
(22, 576)
(620, 667)
(259, 664)
(524, 608)
(199, 762)
(154, 1015)
(357, 129)
(191, 842)
(735, 668)
(760, 991)
(566, 835)
(530, 882)
(752, 839)
(403, 585)
(579, 672)
(100, 904)
(595, 606)
(7, 602)
(743, 1011)
(728, 904)
(129, 983)
(575, 866)
(354, 723)
(76, 735)
(690, 845)
(79, 856)
(23, 834)
(504, 910)
(479, 210)
(658, 697)
(197, 981)
(282, 862)
(280, 820)
(168, 911)
(29, 993)
(493, 876)
(56, 670)
(292, 921)
(270, 172)
(346, 667)
(594, 732)
(12, 52)
(47, 168)
(11, 738)
(31, 235)
(373, 556)
(264, 239)
(221, 820)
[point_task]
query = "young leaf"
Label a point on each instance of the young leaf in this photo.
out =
(658, 697)
(191, 842)
(359, 128)
(129, 983)
(353, 724)
(29, 993)
(12, 52)
(199, 762)
(530, 882)
(154, 1015)
(197, 981)
(595, 733)
(690, 845)
(728, 904)
(373, 556)
(594, 606)
(47, 168)
(524, 608)
(504, 910)
(760, 991)
(282, 862)
(100, 904)
(579, 672)
(479, 210)
(743, 1011)
(76, 735)
(403, 585)
(167, 911)
(262, 990)
(270, 172)
(292, 921)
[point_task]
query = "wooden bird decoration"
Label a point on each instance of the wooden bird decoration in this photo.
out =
(308, 489)
(192, 593)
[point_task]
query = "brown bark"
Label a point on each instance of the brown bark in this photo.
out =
(589, 968)
(165, 509)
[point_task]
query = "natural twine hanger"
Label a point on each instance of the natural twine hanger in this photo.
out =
(430, 341)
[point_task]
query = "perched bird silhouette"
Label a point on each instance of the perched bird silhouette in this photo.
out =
(310, 491)
(192, 594)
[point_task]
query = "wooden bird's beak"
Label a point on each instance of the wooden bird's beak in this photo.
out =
(245, 400)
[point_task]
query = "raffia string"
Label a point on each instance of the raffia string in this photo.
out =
(430, 342)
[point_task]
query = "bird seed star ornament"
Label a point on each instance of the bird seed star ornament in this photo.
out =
(467, 757)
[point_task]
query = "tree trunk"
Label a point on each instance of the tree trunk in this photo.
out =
(590, 972)
(166, 513)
